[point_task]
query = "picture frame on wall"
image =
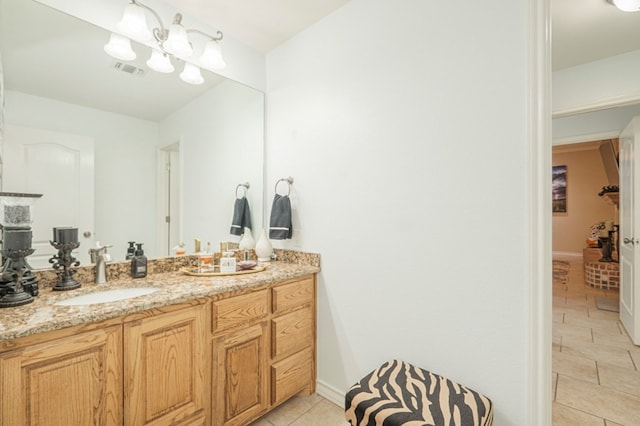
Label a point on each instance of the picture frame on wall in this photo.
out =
(559, 189)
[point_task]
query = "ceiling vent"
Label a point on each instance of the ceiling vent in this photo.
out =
(129, 69)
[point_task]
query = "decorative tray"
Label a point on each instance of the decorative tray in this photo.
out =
(194, 272)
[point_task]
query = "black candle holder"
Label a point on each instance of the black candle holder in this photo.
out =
(14, 292)
(607, 248)
(65, 261)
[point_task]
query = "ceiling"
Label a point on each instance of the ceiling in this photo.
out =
(36, 52)
(261, 24)
(587, 30)
(583, 30)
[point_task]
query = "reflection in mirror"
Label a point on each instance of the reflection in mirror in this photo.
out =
(122, 157)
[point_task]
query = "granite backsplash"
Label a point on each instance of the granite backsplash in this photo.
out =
(122, 269)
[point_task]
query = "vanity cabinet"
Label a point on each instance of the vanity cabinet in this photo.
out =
(165, 369)
(223, 360)
(72, 380)
(149, 371)
(293, 339)
(263, 350)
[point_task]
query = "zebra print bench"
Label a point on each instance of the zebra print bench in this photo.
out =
(398, 393)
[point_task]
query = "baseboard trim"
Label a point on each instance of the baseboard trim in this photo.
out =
(566, 254)
(329, 392)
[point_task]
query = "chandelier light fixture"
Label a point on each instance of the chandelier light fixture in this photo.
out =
(171, 42)
(626, 5)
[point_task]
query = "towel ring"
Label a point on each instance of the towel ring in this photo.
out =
(246, 186)
(289, 181)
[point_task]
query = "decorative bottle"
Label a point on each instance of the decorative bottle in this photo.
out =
(263, 248)
(247, 241)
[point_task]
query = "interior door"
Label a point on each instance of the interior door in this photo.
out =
(59, 166)
(629, 242)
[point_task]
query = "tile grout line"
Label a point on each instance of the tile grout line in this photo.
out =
(304, 414)
(584, 412)
(632, 361)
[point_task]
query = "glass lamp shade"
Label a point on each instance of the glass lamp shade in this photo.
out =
(627, 5)
(134, 23)
(120, 48)
(191, 74)
(212, 56)
(160, 62)
(177, 42)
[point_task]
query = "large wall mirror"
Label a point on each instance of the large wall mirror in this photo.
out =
(118, 150)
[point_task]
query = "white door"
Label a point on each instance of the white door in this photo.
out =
(60, 167)
(629, 241)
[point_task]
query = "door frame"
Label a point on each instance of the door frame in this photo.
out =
(538, 351)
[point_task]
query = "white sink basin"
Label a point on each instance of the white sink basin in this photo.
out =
(107, 296)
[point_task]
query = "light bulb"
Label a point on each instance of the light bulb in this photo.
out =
(177, 42)
(212, 56)
(627, 5)
(191, 74)
(120, 48)
(160, 62)
(134, 23)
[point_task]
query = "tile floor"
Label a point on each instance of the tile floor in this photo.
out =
(305, 411)
(596, 368)
(596, 378)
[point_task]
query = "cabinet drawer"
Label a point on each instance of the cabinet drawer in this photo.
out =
(289, 296)
(229, 313)
(291, 375)
(291, 332)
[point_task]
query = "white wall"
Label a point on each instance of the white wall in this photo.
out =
(405, 135)
(588, 87)
(608, 123)
(222, 135)
(125, 164)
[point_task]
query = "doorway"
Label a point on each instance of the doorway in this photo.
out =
(169, 199)
(583, 331)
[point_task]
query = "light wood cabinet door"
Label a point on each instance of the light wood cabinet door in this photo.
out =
(165, 369)
(75, 380)
(240, 385)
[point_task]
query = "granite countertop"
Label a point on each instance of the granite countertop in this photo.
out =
(174, 287)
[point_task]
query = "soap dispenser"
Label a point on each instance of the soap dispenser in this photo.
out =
(139, 263)
(131, 250)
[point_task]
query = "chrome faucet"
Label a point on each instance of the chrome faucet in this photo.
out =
(100, 257)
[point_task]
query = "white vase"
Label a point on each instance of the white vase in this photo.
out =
(263, 248)
(247, 241)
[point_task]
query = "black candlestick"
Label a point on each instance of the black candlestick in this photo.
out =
(14, 293)
(606, 249)
(65, 261)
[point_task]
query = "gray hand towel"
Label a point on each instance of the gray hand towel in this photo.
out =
(241, 216)
(280, 223)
